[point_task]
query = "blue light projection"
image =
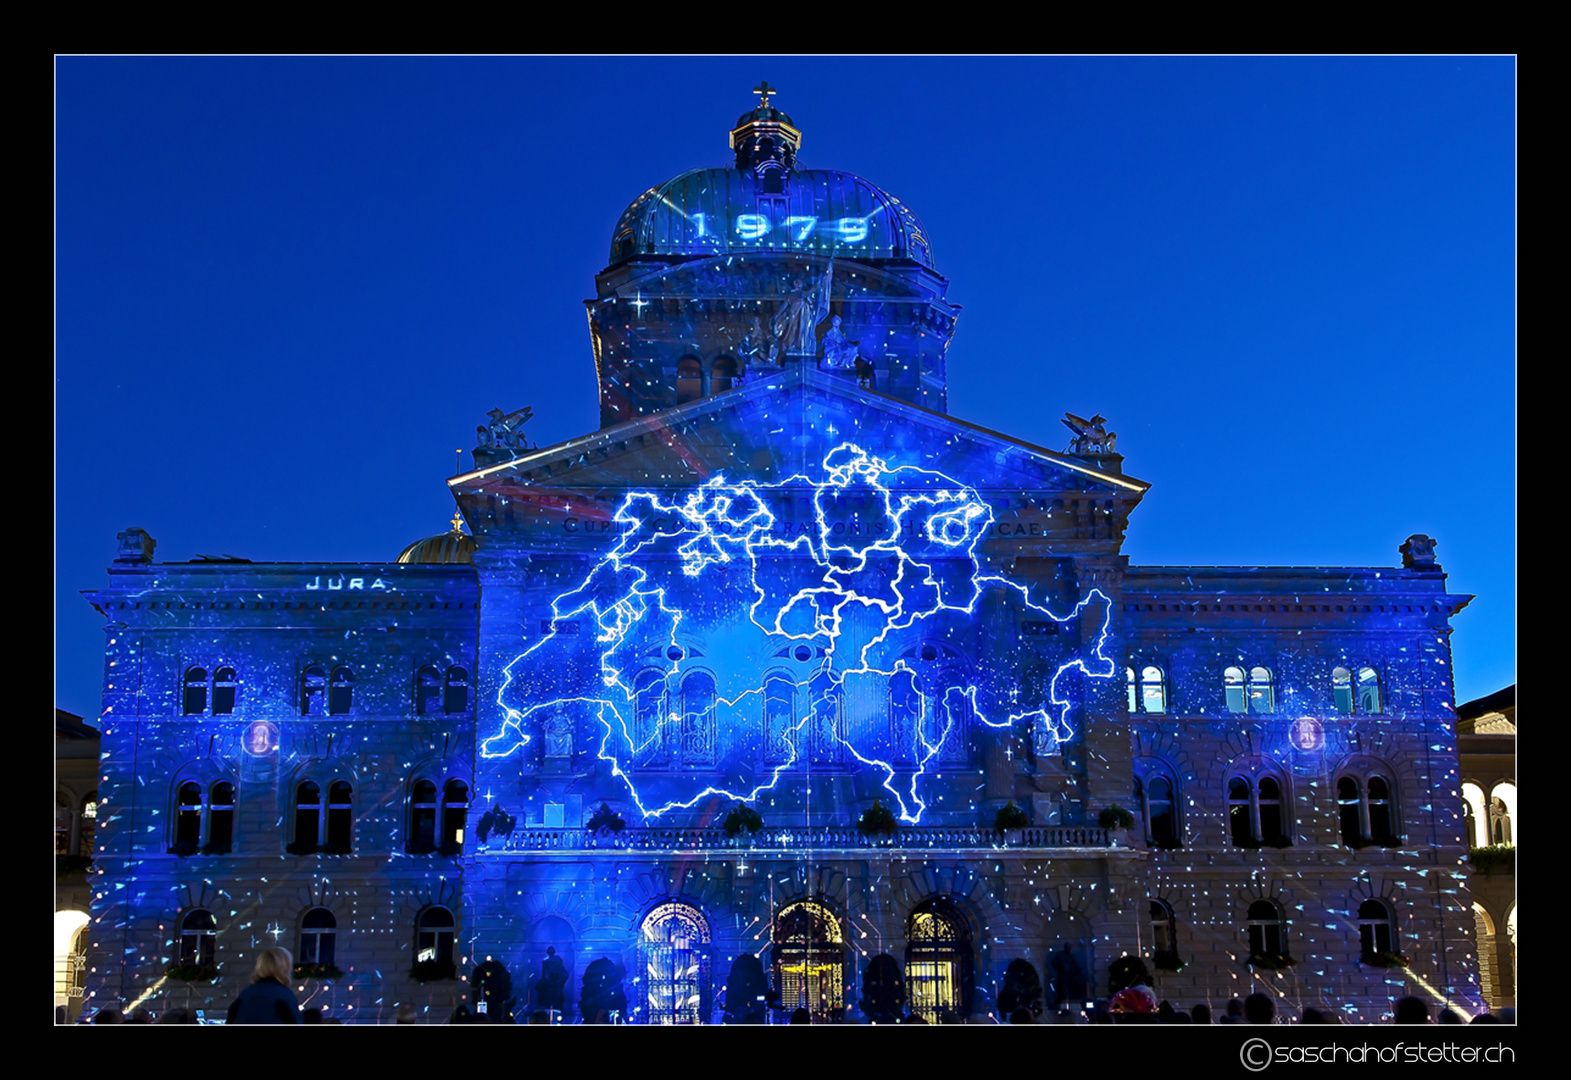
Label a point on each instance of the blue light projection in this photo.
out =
(704, 604)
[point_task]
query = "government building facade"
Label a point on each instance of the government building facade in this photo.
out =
(783, 689)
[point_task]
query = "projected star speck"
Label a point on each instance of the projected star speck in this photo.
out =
(747, 630)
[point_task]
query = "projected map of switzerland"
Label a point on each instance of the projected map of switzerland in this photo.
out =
(722, 655)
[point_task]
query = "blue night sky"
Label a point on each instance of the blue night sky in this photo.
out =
(288, 289)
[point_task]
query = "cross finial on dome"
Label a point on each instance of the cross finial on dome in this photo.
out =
(763, 89)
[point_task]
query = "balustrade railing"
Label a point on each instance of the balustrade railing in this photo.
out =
(795, 837)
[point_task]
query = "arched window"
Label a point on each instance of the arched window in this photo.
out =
(1164, 936)
(809, 960)
(428, 691)
(1233, 690)
(938, 960)
(721, 373)
(455, 811)
(313, 691)
(436, 936)
(689, 380)
(1342, 690)
(781, 737)
(188, 818)
(1502, 813)
(198, 938)
(1376, 931)
(340, 695)
(422, 818)
(1267, 933)
(1256, 812)
(906, 707)
(1153, 690)
(1262, 698)
(318, 934)
(220, 819)
(1134, 690)
(308, 818)
(455, 691)
(1365, 809)
(1155, 796)
(649, 708)
(63, 823)
(340, 818)
(698, 719)
(825, 698)
(225, 687)
(674, 943)
(1476, 815)
(1368, 691)
(86, 842)
(194, 701)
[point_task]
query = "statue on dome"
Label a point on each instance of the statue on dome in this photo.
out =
(759, 346)
(795, 325)
(839, 350)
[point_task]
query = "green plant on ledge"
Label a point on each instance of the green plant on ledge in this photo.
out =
(1271, 961)
(742, 818)
(1009, 817)
(876, 820)
(606, 820)
(1168, 961)
(1486, 860)
(318, 971)
(1383, 960)
(1115, 817)
(433, 971)
(191, 972)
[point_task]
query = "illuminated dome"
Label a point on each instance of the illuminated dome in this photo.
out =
(765, 204)
(453, 546)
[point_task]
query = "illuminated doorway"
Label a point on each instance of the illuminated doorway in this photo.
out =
(809, 959)
(938, 961)
(674, 940)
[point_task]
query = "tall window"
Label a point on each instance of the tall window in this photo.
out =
(1233, 690)
(1134, 689)
(1164, 935)
(313, 691)
(225, 687)
(1368, 691)
(455, 812)
(436, 936)
(689, 380)
(1153, 690)
(318, 935)
(649, 709)
(906, 707)
(1342, 689)
(204, 820)
(781, 738)
(1267, 931)
(428, 691)
(340, 694)
(1376, 930)
(326, 826)
(721, 374)
(674, 943)
(809, 958)
(1365, 810)
(198, 937)
(1155, 795)
(1262, 696)
(86, 837)
(455, 691)
(698, 719)
(938, 960)
(1256, 814)
(422, 818)
(194, 701)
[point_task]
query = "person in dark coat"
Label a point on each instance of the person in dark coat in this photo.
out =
(268, 1000)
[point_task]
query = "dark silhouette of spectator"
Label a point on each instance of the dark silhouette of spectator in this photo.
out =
(1259, 1009)
(1486, 1018)
(1021, 1015)
(268, 1000)
(1451, 1016)
(1411, 1010)
(801, 1016)
(1312, 1015)
(312, 1015)
(460, 1015)
(178, 1015)
(139, 1015)
(1234, 1013)
(540, 1016)
(1201, 1013)
(108, 1016)
(405, 1014)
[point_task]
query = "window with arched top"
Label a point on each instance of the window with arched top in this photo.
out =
(313, 691)
(188, 817)
(650, 721)
(422, 818)
(1499, 821)
(87, 826)
(1153, 689)
(323, 821)
(1342, 690)
(226, 687)
(780, 734)
(204, 819)
(1475, 812)
(340, 692)
(809, 960)
(906, 711)
(689, 380)
(1366, 809)
(1233, 691)
(455, 691)
(1267, 933)
(198, 938)
(1133, 688)
(1164, 936)
(1256, 811)
(436, 940)
(318, 938)
(722, 373)
(455, 813)
(194, 701)
(428, 691)
(1262, 694)
(825, 696)
(1156, 795)
(1368, 691)
(698, 720)
(938, 961)
(674, 948)
(1377, 941)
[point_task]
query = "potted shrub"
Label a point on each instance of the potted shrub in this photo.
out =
(1383, 960)
(1117, 821)
(1010, 819)
(742, 818)
(191, 973)
(876, 820)
(605, 822)
(1270, 961)
(1167, 960)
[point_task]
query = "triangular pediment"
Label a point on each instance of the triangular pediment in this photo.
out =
(773, 428)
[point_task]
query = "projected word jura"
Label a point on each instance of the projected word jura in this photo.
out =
(827, 617)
